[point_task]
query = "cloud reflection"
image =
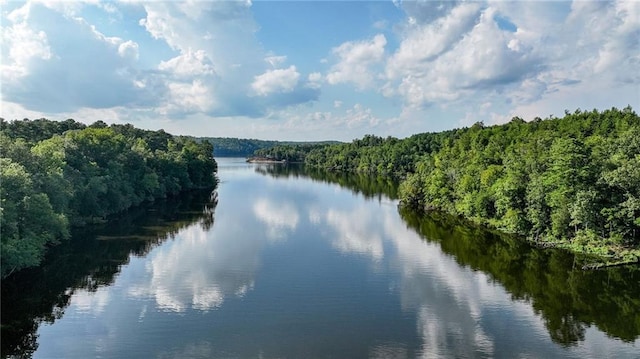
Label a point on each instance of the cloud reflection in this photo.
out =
(279, 216)
(356, 232)
(459, 312)
(199, 271)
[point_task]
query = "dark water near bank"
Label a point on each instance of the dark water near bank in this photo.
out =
(280, 263)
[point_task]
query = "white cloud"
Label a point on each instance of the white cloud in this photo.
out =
(42, 72)
(23, 44)
(128, 49)
(188, 97)
(274, 81)
(189, 64)
(356, 60)
(208, 64)
(423, 43)
(344, 123)
(275, 61)
(459, 55)
(231, 49)
(314, 80)
(211, 74)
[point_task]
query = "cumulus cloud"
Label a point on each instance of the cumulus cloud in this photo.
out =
(128, 49)
(188, 97)
(214, 61)
(314, 80)
(200, 60)
(458, 54)
(228, 56)
(424, 43)
(356, 60)
(43, 73)
(464, 52)
(24, 45)
(279, 80)
(188, 64)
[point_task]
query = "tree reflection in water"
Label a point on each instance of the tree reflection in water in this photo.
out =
(90, 260)
(568, 299)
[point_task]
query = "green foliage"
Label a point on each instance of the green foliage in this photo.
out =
(242, 147)
(56, 173)
(369, 155)
(288, 153)
(553, 179)
(27, 219)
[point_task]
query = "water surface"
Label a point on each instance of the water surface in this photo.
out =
(283, 263)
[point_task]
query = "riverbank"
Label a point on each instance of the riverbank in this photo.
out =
(269, 160)
(594, 252)
(601, 256)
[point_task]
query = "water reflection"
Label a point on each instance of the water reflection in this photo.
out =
(279, 216)
(370, 187)
(294, 267)
(198, 271)
(356, 231)
(568, 299)
(464, 311)
(77, 273)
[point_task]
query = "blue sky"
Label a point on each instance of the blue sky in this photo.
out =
(315, 70)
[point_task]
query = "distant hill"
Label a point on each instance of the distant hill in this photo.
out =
(242, 147)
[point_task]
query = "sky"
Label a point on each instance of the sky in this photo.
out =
(315, 70)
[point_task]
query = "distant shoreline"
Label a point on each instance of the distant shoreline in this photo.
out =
(264, 160)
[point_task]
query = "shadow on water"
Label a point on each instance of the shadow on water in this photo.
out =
(91, 259)
(567, 298)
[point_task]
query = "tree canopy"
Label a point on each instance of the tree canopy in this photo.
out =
(243, 147)
(573, 181)
(56, 174)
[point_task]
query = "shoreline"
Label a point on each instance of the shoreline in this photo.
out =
(264, 160)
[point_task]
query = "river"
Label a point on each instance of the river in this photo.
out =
(283, 263)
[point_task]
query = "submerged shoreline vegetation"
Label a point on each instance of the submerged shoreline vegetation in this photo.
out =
(571, 182)
(55, 175)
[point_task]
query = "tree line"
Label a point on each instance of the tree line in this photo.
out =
(572, 181)
(54, 175)
(243, 147)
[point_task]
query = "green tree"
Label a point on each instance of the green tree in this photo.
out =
(27, 219)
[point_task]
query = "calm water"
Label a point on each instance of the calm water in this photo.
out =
(278, 264)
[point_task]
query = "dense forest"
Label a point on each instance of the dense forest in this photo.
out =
(54, 175)
(572, 182)
(242, 147)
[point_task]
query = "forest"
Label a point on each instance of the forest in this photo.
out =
(571, 182)
(242, 147)
(58, 174)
